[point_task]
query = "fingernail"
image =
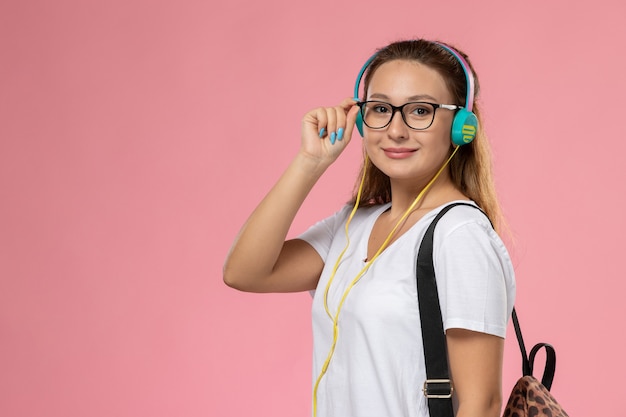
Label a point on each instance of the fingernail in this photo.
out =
(340, 133)
(333, 137)
(322, 131)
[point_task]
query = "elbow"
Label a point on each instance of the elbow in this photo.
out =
(233, 283)
(488, 407)
(495, 405)
(230, 278)
(229, 281)
(238, 280)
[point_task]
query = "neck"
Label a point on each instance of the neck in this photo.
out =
(441, 191)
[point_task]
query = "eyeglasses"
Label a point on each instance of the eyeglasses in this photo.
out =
(417, 115)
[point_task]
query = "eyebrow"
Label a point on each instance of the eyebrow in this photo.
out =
(417, 97)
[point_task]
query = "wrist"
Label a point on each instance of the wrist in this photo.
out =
(311, 165)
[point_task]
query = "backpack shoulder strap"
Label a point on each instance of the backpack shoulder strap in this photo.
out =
(438, 386)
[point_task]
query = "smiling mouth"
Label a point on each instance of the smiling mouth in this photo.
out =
(398, 150)
(398, 153)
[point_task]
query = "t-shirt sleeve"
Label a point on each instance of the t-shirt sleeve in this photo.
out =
(322, 233)
(475, 278)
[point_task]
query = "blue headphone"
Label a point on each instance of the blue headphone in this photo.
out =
(465, 123)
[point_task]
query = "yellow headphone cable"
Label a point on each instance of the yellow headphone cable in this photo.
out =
(335, 318)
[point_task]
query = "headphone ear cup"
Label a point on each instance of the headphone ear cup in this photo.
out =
(464, 127)
(359, 123)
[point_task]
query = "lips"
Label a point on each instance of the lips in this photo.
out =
(399, 153)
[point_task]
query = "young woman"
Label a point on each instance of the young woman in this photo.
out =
(368, 354)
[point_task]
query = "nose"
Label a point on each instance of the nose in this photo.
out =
(397, 129)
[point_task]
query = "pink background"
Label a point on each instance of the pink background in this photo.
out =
(136, 136)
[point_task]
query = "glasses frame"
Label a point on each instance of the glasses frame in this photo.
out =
(400, 109)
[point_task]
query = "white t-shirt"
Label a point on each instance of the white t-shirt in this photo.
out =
(378, 368)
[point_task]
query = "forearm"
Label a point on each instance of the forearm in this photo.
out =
(260, 259)
(259, 243)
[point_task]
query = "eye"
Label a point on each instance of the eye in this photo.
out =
(419, 110)
(380, 108)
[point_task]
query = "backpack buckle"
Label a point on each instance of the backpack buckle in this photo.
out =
(438, 388)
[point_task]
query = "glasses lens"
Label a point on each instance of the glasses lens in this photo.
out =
(418, 115)
(376, 114)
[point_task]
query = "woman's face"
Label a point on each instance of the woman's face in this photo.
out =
(402, 153)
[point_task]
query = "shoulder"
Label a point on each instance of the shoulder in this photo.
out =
(466, 232)
(474, 272)
(467, 214)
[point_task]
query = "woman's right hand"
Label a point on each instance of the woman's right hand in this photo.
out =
(326, 131)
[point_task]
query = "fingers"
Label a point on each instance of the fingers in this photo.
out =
(326, 131)
(337, 123)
